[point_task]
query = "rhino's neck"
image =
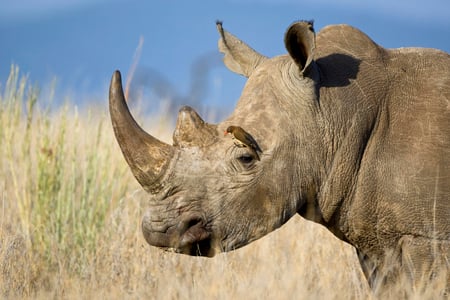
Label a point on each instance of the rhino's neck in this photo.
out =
(351, 111)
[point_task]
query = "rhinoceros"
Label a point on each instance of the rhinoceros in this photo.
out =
(353, 136)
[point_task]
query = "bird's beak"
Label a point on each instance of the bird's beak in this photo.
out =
(225, 133)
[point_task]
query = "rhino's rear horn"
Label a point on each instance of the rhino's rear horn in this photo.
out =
(147, 156)
(191, 130)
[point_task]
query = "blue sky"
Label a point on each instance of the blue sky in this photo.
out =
(81, 42)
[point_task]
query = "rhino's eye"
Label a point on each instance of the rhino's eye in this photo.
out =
(245, 159)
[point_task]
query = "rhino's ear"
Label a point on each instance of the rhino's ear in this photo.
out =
(239, 57)
(192, 131)
(300, 42)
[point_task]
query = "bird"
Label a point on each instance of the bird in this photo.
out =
(243, 139)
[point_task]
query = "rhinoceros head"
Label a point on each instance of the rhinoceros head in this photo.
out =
(208, 194)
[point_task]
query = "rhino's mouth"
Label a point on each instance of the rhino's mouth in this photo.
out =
(195, 239)
(201, 248)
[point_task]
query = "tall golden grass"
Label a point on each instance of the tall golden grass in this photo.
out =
(70, 214)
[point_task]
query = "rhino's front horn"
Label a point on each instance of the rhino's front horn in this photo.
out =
(147, 156)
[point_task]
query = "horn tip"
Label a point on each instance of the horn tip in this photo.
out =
(116, 76)
(116, 82)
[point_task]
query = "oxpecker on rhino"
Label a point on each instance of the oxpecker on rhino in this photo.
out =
(350, 135)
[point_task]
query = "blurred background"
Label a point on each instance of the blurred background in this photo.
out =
(73, 46)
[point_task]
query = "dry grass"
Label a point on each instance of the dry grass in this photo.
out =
(70, 224)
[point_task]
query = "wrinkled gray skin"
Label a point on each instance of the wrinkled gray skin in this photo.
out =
(354, 136)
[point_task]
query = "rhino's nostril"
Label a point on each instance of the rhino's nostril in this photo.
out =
(186, 224)
(194, 222)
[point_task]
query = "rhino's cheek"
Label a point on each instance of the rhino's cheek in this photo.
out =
(257, 216)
